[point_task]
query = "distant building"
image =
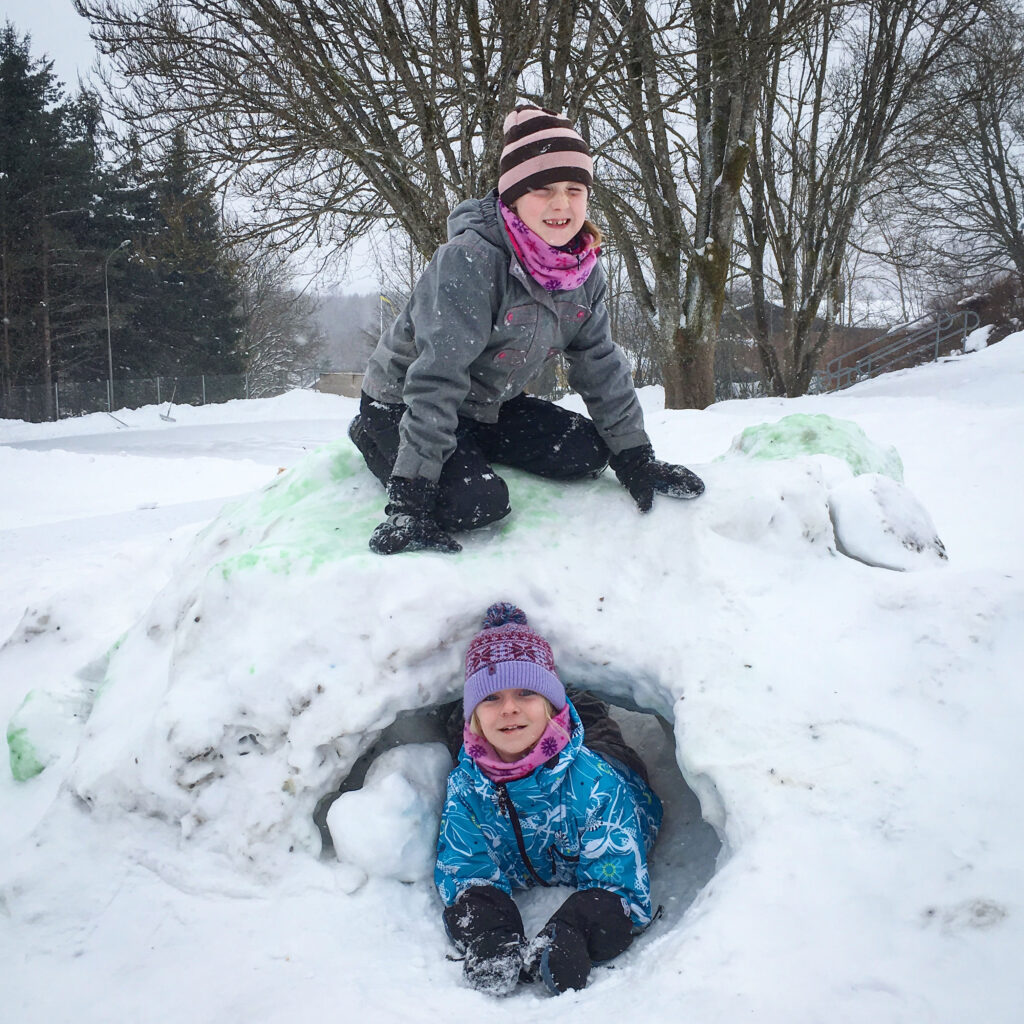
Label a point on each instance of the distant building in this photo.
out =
(347, 384)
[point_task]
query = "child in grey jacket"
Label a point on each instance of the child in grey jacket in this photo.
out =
(518, 282)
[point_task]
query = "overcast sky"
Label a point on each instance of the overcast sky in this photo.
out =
(56, 31)
(60, 34)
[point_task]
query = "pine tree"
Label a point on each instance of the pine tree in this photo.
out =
(79, 238)
(67, 217)
(186, 319)
(50, 239)
(27, 90)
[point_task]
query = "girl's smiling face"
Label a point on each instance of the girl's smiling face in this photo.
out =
(513, 721)
(554, 212)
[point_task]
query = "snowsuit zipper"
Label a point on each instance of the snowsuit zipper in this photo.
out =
(506, 806)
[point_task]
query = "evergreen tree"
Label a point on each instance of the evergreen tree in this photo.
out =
(50, 238)
(27, 90)
(185, 318)
(72, 222)
(80, 233)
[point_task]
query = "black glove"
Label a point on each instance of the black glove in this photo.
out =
(590, 927)
(485, 923)
(411, 524)
(642, 474)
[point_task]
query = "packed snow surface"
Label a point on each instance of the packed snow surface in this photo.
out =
(822, 650)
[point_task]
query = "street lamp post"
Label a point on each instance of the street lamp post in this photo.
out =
(110, 349)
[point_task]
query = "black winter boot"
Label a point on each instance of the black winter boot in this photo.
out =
(412, 520)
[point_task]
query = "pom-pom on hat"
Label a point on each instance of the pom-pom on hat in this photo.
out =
(507, 654)
(541, 147)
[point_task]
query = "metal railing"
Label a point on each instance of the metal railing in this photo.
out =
(925, 344)
(36, 403)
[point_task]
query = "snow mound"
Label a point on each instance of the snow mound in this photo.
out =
(388, 828)
(40, 731)
(817, 434)
(852, 733)
(873, 517)
(879, 522)
(283, 647)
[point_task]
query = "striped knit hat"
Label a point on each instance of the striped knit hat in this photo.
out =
(507, 654)
(541, 147)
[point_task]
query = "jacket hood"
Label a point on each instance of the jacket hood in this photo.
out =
(480, 216)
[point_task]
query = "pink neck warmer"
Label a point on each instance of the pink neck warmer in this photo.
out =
(557, 270)
(552, 742)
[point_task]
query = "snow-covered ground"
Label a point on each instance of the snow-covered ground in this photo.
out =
(199, 646)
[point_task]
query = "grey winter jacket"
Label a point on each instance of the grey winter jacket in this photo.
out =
(477, 329)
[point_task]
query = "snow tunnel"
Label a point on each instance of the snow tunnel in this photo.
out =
(399, 780)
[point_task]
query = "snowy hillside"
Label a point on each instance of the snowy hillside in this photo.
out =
(822, 651)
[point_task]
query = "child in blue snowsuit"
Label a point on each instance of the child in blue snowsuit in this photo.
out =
(530, 804)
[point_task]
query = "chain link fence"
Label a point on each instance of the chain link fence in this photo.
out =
(36, 403)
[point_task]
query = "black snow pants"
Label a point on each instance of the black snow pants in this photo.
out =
(531, 434)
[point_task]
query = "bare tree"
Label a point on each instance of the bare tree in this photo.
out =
(631, 329)
(281, 339)
(836, 118)
(968, 200)
(673, 125)
(633, 128)
(399, 266)
(332, 115)
(733, 42)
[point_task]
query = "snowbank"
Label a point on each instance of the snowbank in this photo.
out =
(284, 646)
(852, 734)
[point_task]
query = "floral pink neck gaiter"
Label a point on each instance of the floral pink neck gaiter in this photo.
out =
(552, 742)
(556, 270)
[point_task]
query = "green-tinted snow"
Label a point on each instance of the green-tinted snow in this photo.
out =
(25, 761)
(311, 516)
(306, 516)
(818, 434)
(532, 501)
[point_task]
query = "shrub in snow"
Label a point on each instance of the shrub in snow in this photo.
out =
(978, 338)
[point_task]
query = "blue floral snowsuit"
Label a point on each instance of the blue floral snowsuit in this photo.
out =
(580, 822)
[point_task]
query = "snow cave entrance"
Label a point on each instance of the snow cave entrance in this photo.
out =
(688, 849)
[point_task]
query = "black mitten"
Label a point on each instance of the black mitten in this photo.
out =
(642, 474)
(485, 923)
(411, 524)
(590, 927)
(493, 962)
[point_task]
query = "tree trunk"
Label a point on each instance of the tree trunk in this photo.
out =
(690, 370)
(48, 406)
(5, 370)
